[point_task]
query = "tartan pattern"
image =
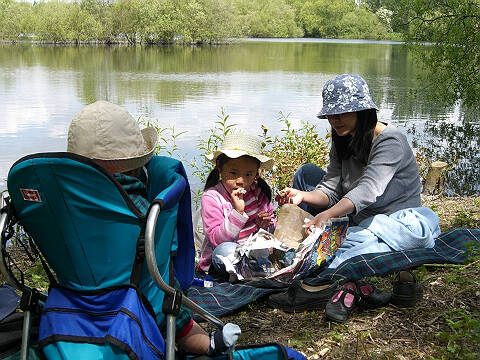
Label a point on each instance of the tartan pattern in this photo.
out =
(224, 298)
(449, 247)
(136, 190)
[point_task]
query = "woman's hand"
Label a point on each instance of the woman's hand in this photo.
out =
(237, 199)
(317, 221)
(289, 196)
(263, 219)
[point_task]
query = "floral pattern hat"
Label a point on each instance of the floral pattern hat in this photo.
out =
(345, 93)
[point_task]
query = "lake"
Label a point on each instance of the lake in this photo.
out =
(43, 87)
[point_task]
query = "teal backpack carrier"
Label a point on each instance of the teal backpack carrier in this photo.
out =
(91, 234)
(111, 266)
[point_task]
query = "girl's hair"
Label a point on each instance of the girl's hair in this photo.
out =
(360, 144)
(214, 176)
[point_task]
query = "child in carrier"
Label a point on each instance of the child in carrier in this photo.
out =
(109, 135)
(237, 202)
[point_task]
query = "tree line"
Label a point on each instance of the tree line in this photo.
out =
(186, 21)
(451, 28)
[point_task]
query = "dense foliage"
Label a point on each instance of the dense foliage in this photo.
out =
(453, 63)
(197, 21)
(452, 28)
(338, 19)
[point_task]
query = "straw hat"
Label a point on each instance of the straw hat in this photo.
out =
(239, 144)
(345, 93)
(108, 134)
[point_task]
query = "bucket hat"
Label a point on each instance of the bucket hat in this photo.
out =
(239, 144)
(108, 134)
(345, 93)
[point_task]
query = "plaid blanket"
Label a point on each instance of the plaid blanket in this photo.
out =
(224, 298)
(449, 247)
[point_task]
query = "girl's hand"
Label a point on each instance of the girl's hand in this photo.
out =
(317, 221)
(237, 199)
(289, 196)
(263, 219)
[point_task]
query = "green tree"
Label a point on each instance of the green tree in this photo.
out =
(51, 21)
(452, 63)
(266, 18)
(362, 24)
(338, 19)
(164, 22)
(128, 15)
(103, 14)
(15, 19)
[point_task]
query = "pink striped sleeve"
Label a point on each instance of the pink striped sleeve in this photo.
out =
(217, 227)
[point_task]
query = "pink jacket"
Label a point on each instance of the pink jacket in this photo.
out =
(221, 223)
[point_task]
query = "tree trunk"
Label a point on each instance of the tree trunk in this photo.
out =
(435, 178)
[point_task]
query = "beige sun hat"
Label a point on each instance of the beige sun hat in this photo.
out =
(108, 134)
(238, 144)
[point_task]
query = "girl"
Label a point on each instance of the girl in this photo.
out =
(237, 201)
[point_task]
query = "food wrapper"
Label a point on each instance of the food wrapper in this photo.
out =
(333, 236)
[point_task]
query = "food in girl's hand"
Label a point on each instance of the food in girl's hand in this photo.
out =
(282, 193)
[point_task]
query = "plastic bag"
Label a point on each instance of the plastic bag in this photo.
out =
(333, 236)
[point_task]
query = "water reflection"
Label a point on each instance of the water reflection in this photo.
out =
(43, 87)
(453, 137)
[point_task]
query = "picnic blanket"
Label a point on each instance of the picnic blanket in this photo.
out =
(449, 248)
(224, 298)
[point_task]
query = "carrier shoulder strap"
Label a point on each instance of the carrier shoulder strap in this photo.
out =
(139, 254)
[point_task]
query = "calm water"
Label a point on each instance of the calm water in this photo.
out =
(42, 88)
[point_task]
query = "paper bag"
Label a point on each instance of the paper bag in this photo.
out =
(290, 220)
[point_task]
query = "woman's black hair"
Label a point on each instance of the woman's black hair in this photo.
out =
(214, 177)
(360, 144)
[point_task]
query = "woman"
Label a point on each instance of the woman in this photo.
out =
(372, 168)
(373, 178)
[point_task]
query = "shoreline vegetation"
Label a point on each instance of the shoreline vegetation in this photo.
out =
(450, 62)
(161, 22)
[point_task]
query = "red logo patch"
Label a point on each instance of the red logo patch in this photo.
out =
(31, 195)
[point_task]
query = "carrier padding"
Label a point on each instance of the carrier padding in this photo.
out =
(183, 245)
(83, 222)
(116, 318)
